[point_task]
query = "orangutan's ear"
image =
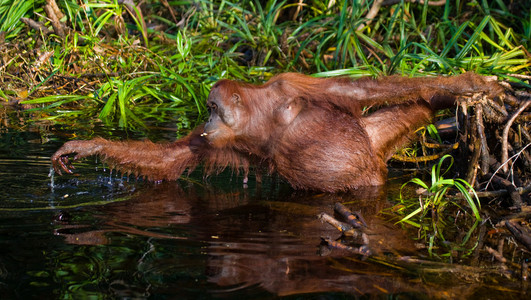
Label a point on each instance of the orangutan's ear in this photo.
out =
(288, 112)
(236, 99)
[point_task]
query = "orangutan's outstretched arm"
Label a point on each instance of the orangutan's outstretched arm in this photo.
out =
(398, 89)
(352, 95)
(156, 161)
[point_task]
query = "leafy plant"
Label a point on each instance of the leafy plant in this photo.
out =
(429, 213)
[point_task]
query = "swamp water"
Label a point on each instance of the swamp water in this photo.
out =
(97, 235)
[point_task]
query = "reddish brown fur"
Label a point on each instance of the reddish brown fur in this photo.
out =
(310, 130)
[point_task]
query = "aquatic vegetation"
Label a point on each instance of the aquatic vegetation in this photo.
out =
(430, 212)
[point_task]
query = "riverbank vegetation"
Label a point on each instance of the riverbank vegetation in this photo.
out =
(117, 61)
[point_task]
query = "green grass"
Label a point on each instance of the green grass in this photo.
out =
(430, 212)
(10, 14)
(174, 62)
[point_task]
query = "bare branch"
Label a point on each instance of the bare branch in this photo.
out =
(373, 12)
(505, 143)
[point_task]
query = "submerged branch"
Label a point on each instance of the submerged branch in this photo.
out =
(427, 158)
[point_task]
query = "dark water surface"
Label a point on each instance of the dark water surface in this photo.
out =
(97, 235)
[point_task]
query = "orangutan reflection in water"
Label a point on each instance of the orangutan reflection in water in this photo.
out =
(233, 242)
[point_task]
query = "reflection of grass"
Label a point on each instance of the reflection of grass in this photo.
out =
(430, 213)
(71, 206)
